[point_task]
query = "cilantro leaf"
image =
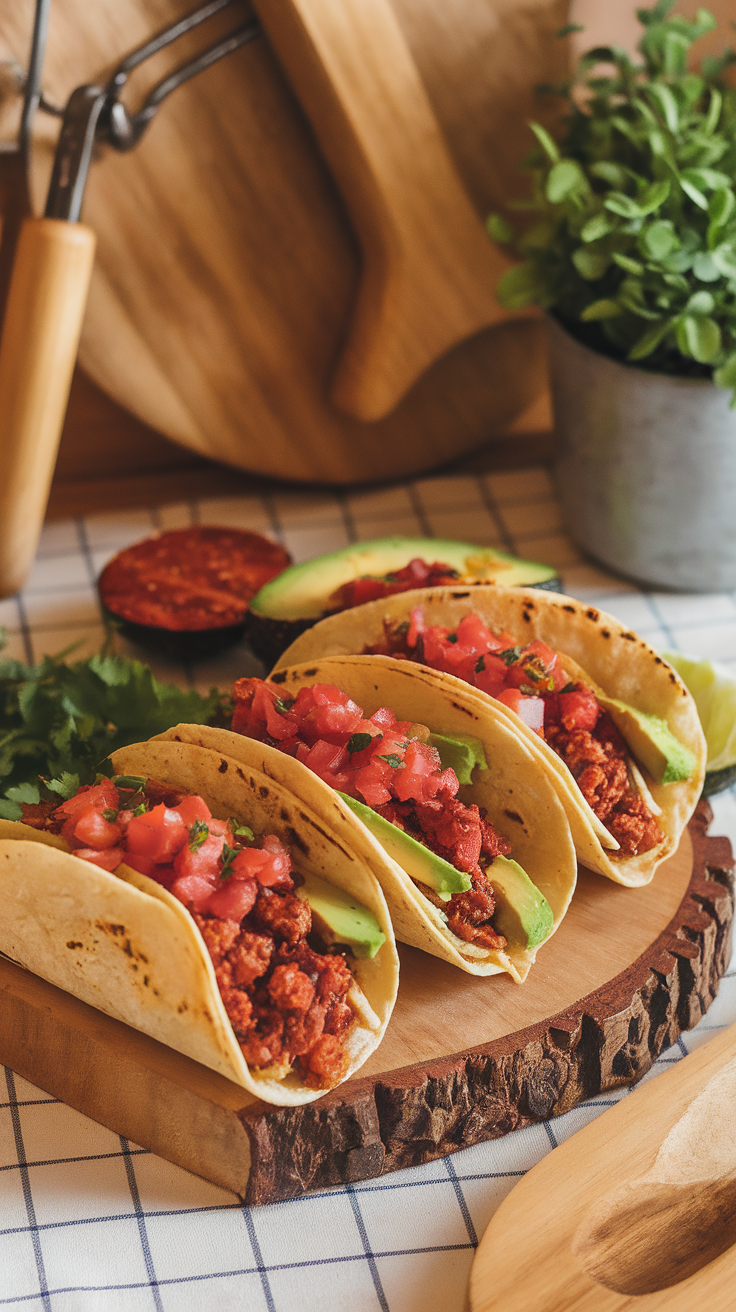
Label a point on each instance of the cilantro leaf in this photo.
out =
(394, 761)
(10, 810)
(228, 856)
(199, 832)
(59, 720)
(510, 655)
(241, 831)
(480, 664)
(359, 742)
(67, 785)
(452, 637)
(24, 793)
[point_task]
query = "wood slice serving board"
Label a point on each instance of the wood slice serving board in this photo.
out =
(463, 1060)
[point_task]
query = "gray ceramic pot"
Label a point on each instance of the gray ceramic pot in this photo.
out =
(646, 468)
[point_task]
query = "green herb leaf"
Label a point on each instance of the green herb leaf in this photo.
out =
(603, 309)
(394, 761)
(27, 793)
(480, 664)
(509, 655)
(228, 856)
(67, 785)
(545, 141)
(199, 832)
(110, 814)
(241, 831)
(500, 229)
(451, 637)
(359, 741)
(10, 810)
(565, 178)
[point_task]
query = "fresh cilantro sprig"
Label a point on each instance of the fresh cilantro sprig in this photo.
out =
(58, 720)
(199, 832)
(393, 760)
(359, 741)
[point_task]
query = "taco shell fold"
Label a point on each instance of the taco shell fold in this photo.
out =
(125, 945)
(600, 650)
(516, 792)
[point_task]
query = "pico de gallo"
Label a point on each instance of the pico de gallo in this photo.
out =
(284, 993)
(417, 574)
(387, 764)
(532, 682)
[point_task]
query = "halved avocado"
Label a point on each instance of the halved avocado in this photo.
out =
(298, 597)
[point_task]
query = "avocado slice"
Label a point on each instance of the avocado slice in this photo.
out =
(460, 753)
(301, 592)
(413, 857)
(652, 742)
(338, 918)
(523, 915)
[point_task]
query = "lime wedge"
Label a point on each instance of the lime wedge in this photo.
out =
(713, 687)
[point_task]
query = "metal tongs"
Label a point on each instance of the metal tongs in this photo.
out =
(47, 265)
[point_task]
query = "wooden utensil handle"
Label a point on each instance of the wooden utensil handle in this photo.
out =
(43, 322)
(430, 272)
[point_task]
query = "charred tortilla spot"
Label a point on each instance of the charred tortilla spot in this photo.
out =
(72, 944)
(605, 633)
(673, 678)
(459, 596)
(514, 815)
(333, 841)
(295, 840)
(593, 614)
(264, 791)
(183, 1006)
(309, 673)
(284, 815)
(526, 615)
(658, 660)
(465, 710)
(145, 981)
(569, 609)
(223, 767)
(127, 949)
(630, 637)
(109, 929)
(279, 677)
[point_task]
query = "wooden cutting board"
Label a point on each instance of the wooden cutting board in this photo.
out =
(463, 1059)
(249, 297)
(651, 1229)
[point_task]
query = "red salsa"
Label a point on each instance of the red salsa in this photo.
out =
(191, 578)
(285, 996)
(531, 681)
(417, 574)
(384, 763)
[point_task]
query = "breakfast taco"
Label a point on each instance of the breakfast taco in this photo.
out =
(614, 724)
(200, 902)
(437, 793)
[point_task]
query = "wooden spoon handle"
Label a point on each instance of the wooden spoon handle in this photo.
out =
(38, 348)
(430, 272)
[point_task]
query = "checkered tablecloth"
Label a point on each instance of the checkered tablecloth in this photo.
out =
(92, 1223)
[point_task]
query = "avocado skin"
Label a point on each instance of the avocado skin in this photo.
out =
(717, 780)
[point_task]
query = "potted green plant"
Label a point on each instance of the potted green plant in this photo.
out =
(632, 251)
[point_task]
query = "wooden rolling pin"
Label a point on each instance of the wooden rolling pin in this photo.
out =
(38, 348)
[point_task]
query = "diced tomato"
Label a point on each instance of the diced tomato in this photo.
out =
(416, 626)
(158, 834)
(193, 808)
(528, 709)
(233, 899)
(204, 861)
(93, 830)
(143, 864)
(110, 859)
(420, 778)
(491, 678)
(279, 870)
(578, 710)
(100, 797)
(193, 891)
